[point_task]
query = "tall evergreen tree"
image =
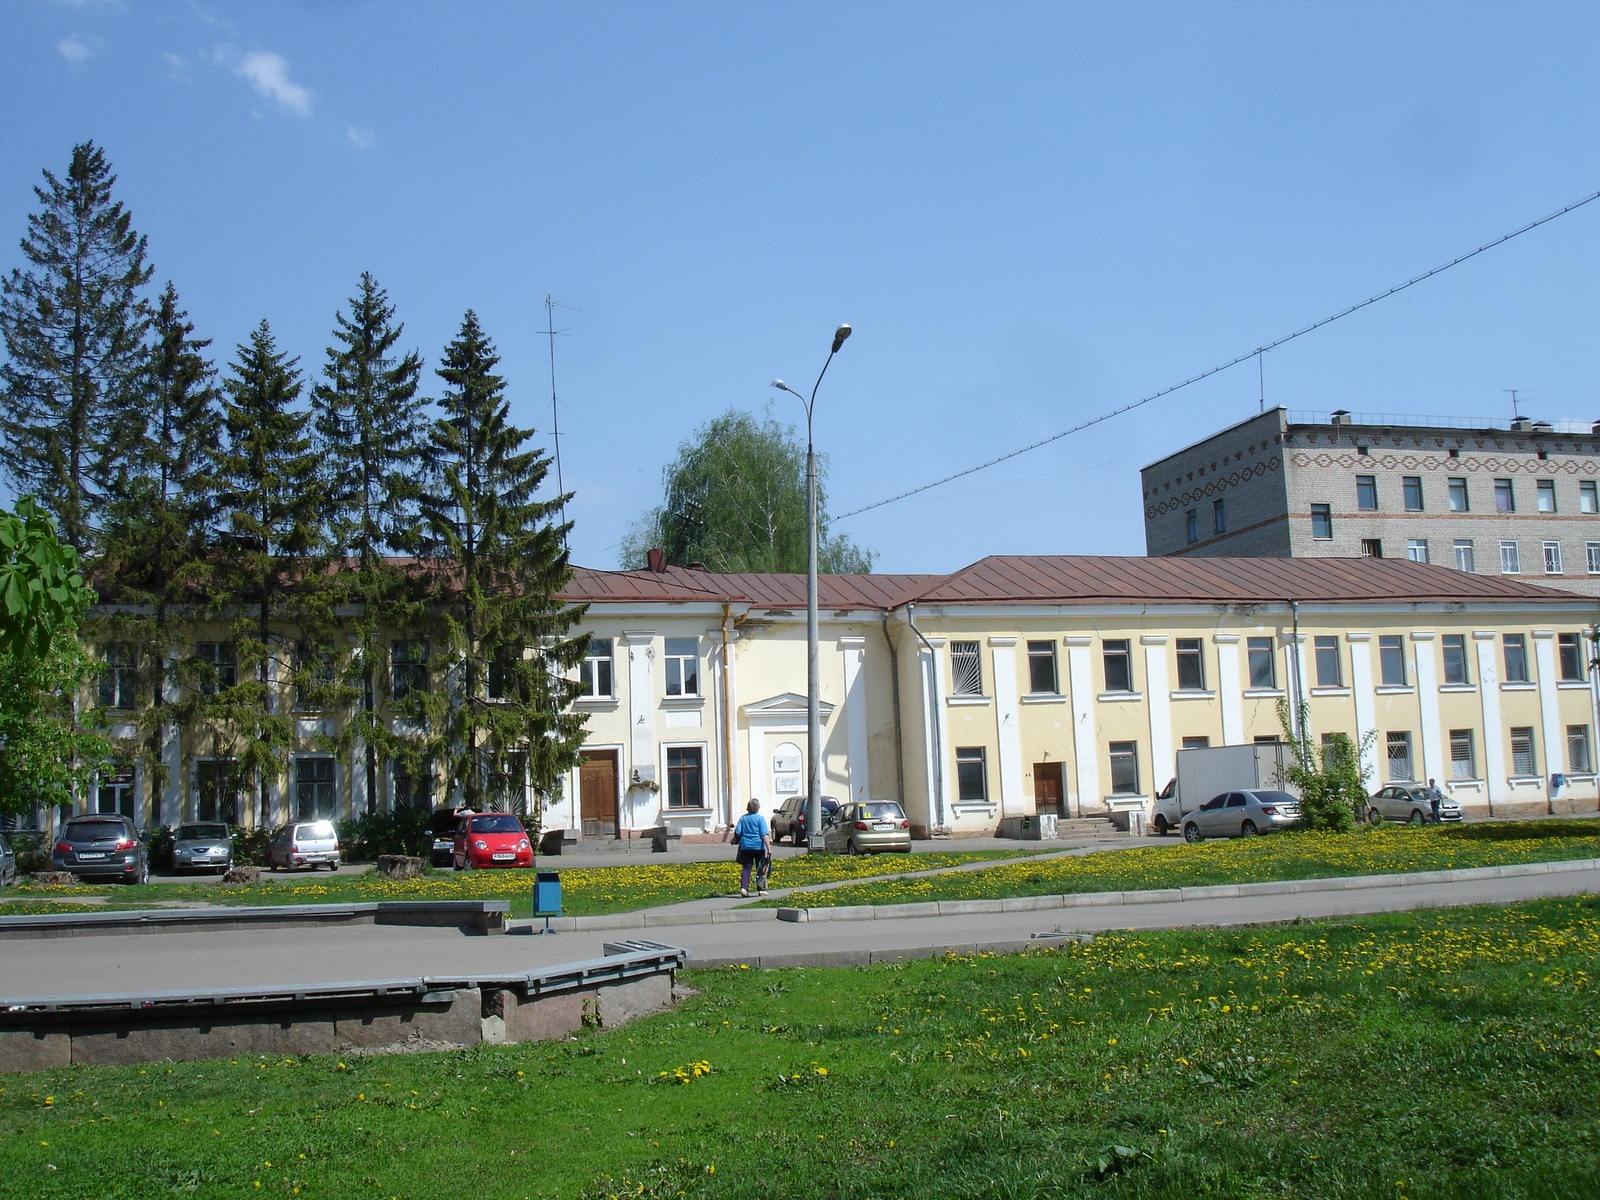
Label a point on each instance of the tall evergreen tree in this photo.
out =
(268, 570)
(74, 325)
(498, 561)
(370, 433)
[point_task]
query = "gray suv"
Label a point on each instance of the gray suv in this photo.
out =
(105, 846)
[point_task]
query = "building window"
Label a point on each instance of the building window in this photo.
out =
(1591, 551)
(117, 794)
(1523, 763)
(966, 669)
(686, 784)
(683, 667)
(1579, 760)
(1458, 495)
(1504, 499)
(1321, 522)
(1466, 560)
(220, 669)
(1371, 548)
(412, 789)
(1516, 653)
(1219, 517)
(118, 679)
(1588, 497)
(1463, 758)
(1455, 658)
(1392, 660)
(1417, 550)
(1263, 663)
(508, 781)
(1198, 742)
(1119, 665)
(1510, 559)
(1569, 648)
(1329, 669)
(408, 669)
(503, 676)
(1191, 665)
(1398, 744)
(1546, 494)
(1124, 768)
(1411, 490)
(1367, 493)
(1192, 525)
(315, 797)
(1042, 669)
(1552, 558)
(972, 774)
(594, 675)
(313, 677)
(216, 790)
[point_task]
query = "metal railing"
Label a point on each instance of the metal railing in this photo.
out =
(1414, 421)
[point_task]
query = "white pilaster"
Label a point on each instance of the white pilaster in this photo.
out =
(1158, 698)
(1085, 746)
(641, 721)
(1494, 743)
(1555, 742)
(1228, 690)
(941, 758)
(171, 807)
(854, 650)
(1366, 705)
(1007, 731)
(1434, 765)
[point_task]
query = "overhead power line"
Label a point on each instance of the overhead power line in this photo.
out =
(1219, 368)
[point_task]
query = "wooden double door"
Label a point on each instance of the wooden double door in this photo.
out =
(1049, 789)
(597, 793)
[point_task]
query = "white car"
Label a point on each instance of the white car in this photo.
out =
(308, 844)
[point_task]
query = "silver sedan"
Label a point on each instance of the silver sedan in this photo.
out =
(1241, 814)
(203, 846)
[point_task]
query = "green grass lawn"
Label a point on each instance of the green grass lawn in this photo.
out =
(585, 891)
(1427, 1055)
(1388, 849)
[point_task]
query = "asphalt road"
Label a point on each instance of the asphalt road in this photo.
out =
(160, 962)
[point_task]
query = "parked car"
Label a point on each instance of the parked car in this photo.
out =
(1412, 804)
(203, 846)
(1241, 814)
(308, 844)
(103, 846)
(492, 840)
(8, 863)
(790, 818)
(445, 822)
(868, 826)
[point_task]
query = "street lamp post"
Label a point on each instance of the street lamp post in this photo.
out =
(814, 840)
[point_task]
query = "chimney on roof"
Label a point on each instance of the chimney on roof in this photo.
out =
(1543, 427)
(1521, 424)
(1340, 417)
(657, 559)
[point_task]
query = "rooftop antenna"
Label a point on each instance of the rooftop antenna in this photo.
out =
(1261, 382)
(1516, 413)
(550, 306)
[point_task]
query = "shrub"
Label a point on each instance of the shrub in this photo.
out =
(1330, 779)
(403, 831)
(250, 846)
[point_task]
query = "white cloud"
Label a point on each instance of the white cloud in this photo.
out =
(361, 137)
(268, 74)
(74, 49)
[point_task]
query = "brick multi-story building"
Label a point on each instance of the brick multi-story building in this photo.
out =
(1493, 498)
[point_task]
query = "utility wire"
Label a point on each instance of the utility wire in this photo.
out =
(1232, 362)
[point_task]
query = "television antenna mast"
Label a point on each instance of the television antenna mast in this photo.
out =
(1516, 413)
(550, 306)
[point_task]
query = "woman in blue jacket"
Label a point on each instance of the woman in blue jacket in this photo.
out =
(755, 843)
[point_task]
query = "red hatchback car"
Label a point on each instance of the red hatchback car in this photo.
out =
(491, 840)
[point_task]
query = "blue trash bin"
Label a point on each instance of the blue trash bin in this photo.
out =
(547, 894)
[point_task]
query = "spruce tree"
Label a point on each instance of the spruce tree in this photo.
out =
(74, 325)
(268, 566)
(498, 561)
(370, 430)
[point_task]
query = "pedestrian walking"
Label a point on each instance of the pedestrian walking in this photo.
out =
(755, 844)
(1435, 798)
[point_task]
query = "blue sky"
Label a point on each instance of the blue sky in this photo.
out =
(1030, 214)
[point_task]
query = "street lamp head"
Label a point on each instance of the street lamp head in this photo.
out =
(780, 385)
(839, 336)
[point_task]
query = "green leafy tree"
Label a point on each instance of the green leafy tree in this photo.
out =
(269, 568)
(497, 562)
(1330, 778)
(74, 326)
(735, 500)
(370, 433)
(47, 755)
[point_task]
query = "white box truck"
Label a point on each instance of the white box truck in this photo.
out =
(1207, 770)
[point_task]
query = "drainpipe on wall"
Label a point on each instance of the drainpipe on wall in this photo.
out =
(894, 685)
(1297, 704)
(933, 725)
(727, 718)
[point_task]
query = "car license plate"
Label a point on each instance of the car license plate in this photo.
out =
(502, 857)
(84, 854)
(882, 825)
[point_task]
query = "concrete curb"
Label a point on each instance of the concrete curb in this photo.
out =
(1169, 895)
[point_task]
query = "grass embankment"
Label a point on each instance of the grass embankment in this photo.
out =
(585, 891)
(1427, 1055)
(1389, 849)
